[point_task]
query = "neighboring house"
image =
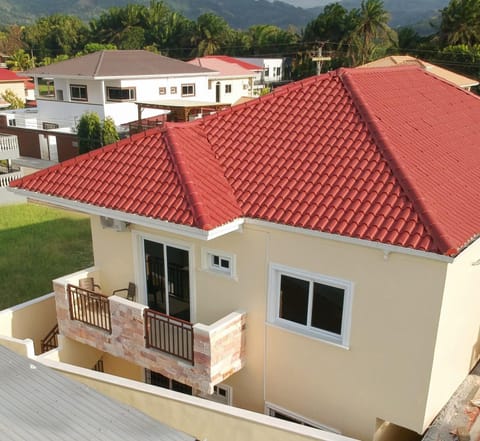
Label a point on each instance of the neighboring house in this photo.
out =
(402, 60)
(272, 73)
(110, 83)
(312, 254)
(10, 80)
(232, 82)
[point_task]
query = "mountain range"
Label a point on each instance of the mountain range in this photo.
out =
(240, 14)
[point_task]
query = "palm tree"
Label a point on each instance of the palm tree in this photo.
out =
(20, 61)
(212, 31)
(370, 32)
(460, 23)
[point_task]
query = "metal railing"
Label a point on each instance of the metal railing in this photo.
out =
(169, 334)
(50, 341)
(89, 307)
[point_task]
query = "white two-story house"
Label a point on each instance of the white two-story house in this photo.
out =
(109, 83)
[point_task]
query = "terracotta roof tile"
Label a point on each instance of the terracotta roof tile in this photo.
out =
(384, 155)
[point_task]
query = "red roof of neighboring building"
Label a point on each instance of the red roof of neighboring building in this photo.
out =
(232, 60)
(9, 75)
(386, 155)
(224, 68)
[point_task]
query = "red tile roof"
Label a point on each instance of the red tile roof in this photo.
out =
(9, 76)
(386, 155)
(232, 60)
(224, 68)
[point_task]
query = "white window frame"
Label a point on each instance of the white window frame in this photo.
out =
(228, 88)
(186, 87)
(228, 394)
(208, 264)
(132, 93)
(271, 409)
(276, 271)
(78, 87)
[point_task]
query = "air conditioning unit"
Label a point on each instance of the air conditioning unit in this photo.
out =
(114, 224)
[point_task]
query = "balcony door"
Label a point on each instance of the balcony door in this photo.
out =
(167, 279)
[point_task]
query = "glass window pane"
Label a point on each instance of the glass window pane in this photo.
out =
(327, 308)
(293, 299)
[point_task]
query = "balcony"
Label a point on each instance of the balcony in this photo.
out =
(198, 355)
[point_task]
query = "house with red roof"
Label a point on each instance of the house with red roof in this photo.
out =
(233, 81)
(312, 254)
(11, 81)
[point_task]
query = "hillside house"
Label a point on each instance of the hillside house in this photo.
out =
(110, 83)
(312, 255)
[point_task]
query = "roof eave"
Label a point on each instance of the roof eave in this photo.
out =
(193, 232)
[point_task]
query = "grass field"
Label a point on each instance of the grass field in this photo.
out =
(38, 244)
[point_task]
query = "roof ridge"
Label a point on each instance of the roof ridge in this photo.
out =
(182, 168)
(99, 62)
(400, 172)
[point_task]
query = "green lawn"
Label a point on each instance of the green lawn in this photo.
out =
(38, 244)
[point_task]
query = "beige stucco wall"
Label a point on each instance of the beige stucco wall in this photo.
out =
(113, 253)
(33, 319)
(195, 416)
(18, 88)
(458, 340)
(385, 371)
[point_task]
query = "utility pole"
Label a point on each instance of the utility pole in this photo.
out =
(320, 59)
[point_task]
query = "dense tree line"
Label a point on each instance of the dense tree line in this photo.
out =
(350, 37)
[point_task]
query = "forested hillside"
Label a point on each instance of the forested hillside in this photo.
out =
(240, 14)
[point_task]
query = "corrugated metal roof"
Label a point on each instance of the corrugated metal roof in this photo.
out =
(38, 403)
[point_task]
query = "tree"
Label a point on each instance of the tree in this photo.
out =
(90, 48)
(371, 35)
(212, 31)
(123, 27)
(55, 35)
(330, 27)
(89, 132)
(460, 23)
(14, 100)
(20, 61)
(462, 58)
(269, 39)
(11, 39)
(109, 131)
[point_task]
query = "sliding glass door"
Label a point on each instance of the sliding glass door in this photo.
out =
(167, 279)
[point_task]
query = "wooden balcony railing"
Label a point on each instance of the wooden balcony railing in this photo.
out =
(169, 334)
(89, 307)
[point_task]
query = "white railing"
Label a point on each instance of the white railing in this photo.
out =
(6, 178)
(9, 147)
